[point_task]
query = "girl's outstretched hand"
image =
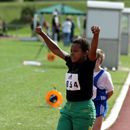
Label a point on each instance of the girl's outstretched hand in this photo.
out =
(38, 29)
(95, 29)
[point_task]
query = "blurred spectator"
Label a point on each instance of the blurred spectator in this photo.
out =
(32, 26)
(66, 29)
(72, 29)
(84, 27)
(55, 26)
(47, 28)
(4, 28)
(0, 27)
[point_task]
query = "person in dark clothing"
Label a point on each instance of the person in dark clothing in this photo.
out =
(84, 27)
(72, 30)
(32, 26)
(55, 26)
(79, 111)
(4, 28)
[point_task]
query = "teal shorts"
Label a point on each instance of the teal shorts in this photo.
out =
(77, 116)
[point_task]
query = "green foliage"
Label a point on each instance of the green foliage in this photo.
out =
(27, 14)
(6, 0)
(12, 11)
(29, 0)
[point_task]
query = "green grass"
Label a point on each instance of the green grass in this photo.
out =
(10, 11)
(118, 78)
(23, 88)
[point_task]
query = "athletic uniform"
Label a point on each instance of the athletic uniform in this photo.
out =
(79, 111)
(102, 85)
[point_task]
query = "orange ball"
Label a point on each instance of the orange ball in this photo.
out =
(54, 98)
(51, 57)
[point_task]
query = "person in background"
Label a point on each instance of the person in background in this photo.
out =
(102, 90)
(4, 28)
(72, 29)
(66, 29)
(79, 111)
(32, 26)
(55, 26)
(47, 28)
(84, 27)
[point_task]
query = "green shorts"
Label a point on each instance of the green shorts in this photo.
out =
(77, 116)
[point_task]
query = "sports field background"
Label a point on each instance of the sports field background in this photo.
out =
(23, 88)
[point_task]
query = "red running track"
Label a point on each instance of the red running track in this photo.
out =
(123, 120)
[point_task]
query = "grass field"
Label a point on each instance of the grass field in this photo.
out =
(10, 11)
(23, 88)
(16, 8)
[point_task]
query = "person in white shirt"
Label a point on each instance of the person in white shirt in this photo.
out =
(102, 90)
(66, 29)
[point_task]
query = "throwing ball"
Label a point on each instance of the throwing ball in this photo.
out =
(54, 98)
(51, 57)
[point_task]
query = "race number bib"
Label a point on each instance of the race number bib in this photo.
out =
(72, 82)
(94, 92)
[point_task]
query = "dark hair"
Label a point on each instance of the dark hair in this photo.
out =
(83, 43)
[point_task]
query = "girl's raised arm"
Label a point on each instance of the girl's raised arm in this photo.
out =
(51, 44)
(94, 44)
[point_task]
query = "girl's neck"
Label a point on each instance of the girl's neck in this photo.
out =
(81, 60)
(97, 69)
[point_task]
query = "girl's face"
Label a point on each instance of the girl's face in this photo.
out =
(76, 53)
(98, 62)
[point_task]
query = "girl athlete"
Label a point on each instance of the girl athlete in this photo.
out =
(79, 111)
(103, 90)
